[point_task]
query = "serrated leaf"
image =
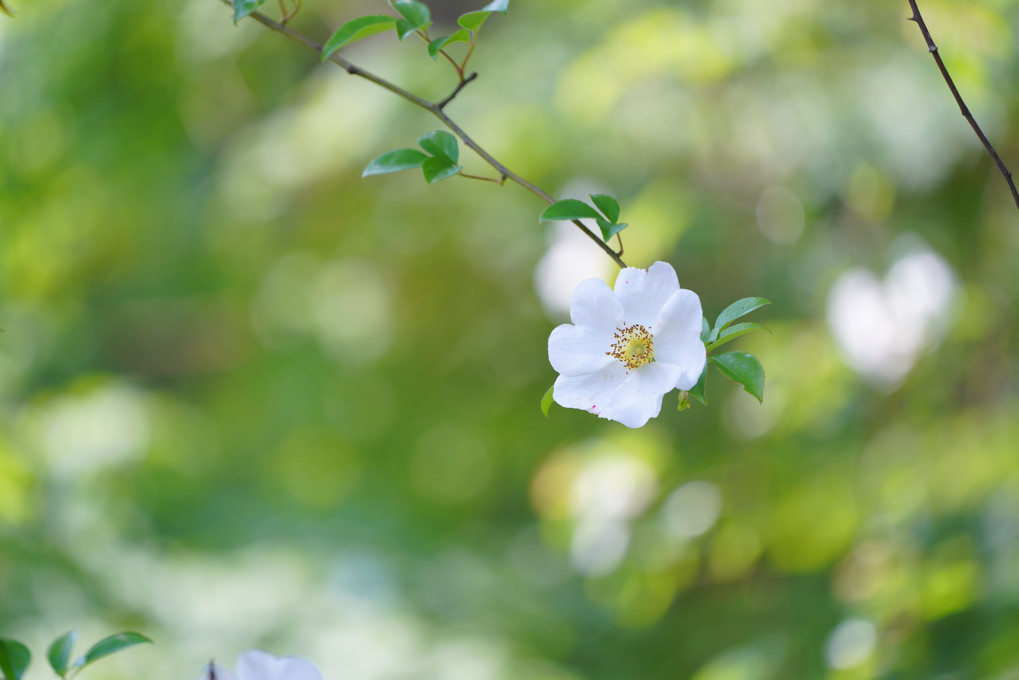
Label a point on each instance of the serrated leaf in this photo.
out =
(438, 168)
(472, 20)
(546, 400)
(355, 29)
(439, 43)
(14, 658)
(608, 206)
(569, 209)
(243, 8)
(110, 645)
(697, 391)
(59, 652)
(735, 311)
(395, 161)
(416, 16)
(705, 329)
(441, 144)
(743, 368)
(608, 230)
(733, 332)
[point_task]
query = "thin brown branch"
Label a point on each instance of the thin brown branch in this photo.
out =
(459, 86)
(493, 180)
(933, 49)
(436, 110)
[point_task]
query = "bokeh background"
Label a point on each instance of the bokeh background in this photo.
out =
(250, 399)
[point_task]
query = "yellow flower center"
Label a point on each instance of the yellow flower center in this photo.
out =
(633, 346)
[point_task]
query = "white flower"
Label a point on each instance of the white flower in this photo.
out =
(629, 346)
(259, 665)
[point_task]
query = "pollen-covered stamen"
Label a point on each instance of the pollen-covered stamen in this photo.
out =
(633, 346)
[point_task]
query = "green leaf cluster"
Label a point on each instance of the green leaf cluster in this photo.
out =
(15, 657)
(438, 161)
(605, 213)
(738, 366)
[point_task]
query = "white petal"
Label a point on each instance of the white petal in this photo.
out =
(644, 293)
(259, 665)
(588, 392)
(639, 397)
(576, 350)
(594, 305)
(677, 337)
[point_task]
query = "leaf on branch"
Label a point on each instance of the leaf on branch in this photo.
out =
(441, 144)
(439, 43)
(608, 206)
(697, 391)
(705, 329)
(438, 168)
(354, 30)
(59, 653)
(743, 368)
(472, 20)
(733, 332)
(14, 658)
(395, 161)
(416, 17)
(243, 8)
(110, 645)
(735, 311)
(546, 400)
(568, 210)
(608, 229)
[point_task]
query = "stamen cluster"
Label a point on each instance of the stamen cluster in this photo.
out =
(633, 346)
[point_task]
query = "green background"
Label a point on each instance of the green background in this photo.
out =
(250, 399)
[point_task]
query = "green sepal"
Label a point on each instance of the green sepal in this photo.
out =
(109, 645)
(14, 658)
(59, 652)
(608, 206)
(547, 400)
(684, 401)
(441, 144)
(395, 161)
(355, 29)
(743, 368)
(472, 20)
(243, 8)
(438, 168)
(608, 229)
(733, 332)
(697, 391)
(568, 210)
(439, 43)
(735, 311)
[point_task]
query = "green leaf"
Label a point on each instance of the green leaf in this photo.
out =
(110, 645)
(472, 20)
(438, 168)
(608, 230)
(697, 391)
(441, 144)
(705, 329)
(416, 16)
(546, 401)
(395, 161)
(356, 29)
(243, 8)
(743, 368)
(59, 652)
(14, 658)
(570, 209)
(608, 206)
(439, 43)
(735, 311)
(733, 332)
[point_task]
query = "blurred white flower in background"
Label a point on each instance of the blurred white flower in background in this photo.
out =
(628, 346)
(882, 327)
(258, 665)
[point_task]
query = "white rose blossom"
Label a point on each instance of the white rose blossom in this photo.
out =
(258, 665)
(628, 346)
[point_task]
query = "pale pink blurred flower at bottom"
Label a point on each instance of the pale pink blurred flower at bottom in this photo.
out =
(258, 665)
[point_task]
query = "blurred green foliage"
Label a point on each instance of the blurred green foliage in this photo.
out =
(248, 398)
